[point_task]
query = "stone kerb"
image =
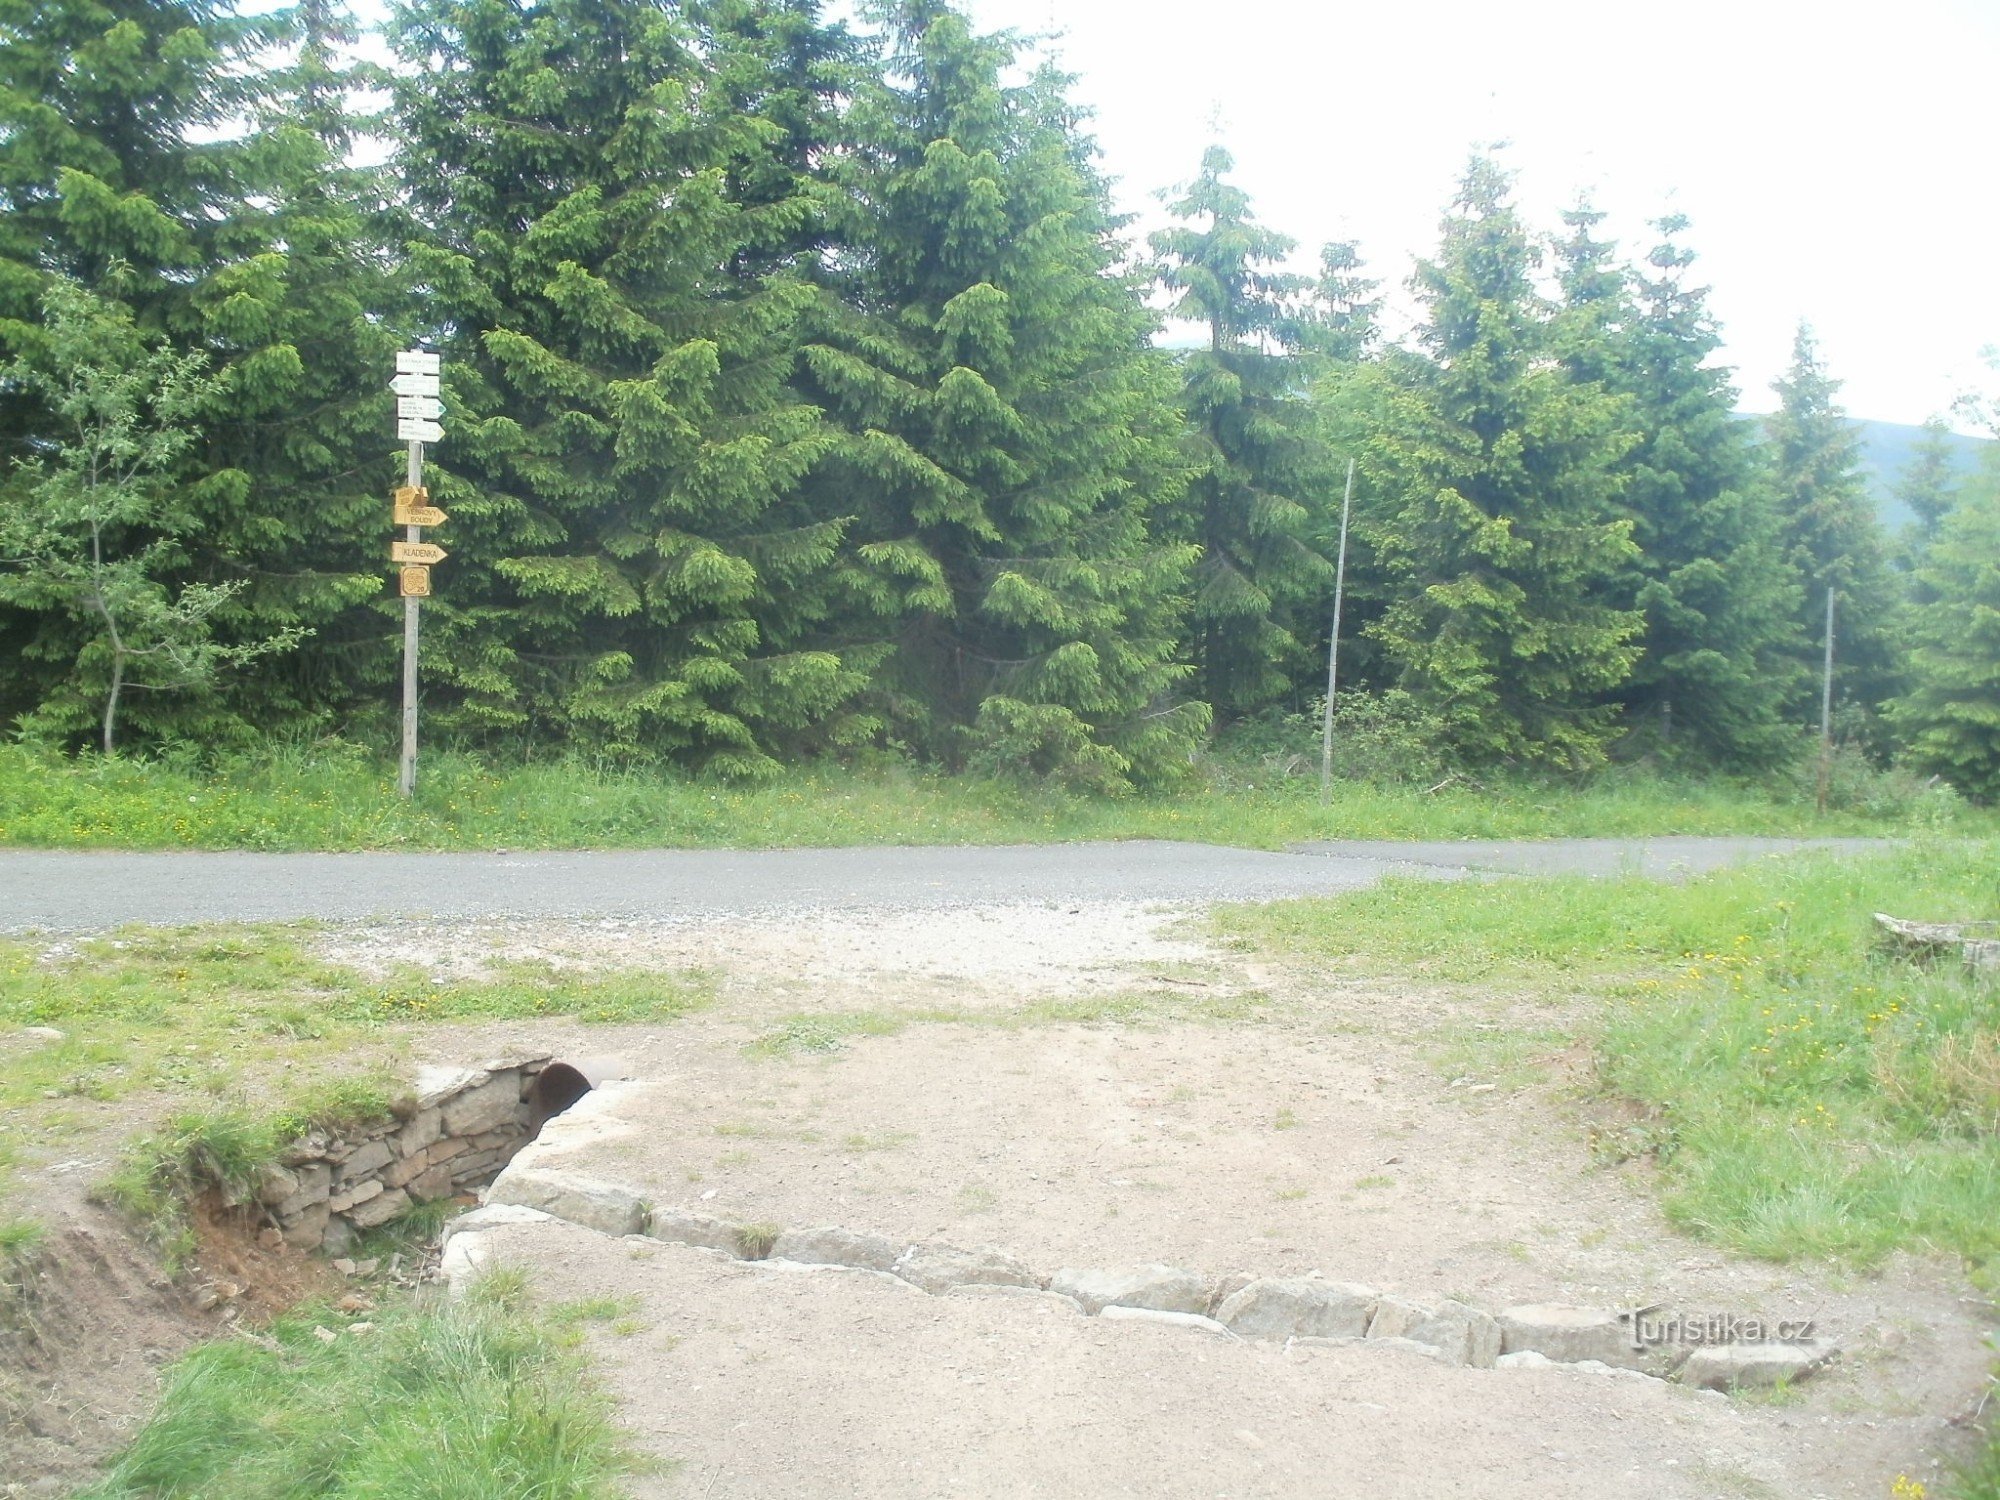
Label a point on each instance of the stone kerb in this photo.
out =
(1303, 1311)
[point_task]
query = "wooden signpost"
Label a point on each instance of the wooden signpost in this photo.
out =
(417, 412)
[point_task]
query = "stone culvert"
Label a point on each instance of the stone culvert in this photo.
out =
(453, 1135)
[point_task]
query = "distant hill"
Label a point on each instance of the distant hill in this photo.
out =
(1886, 451)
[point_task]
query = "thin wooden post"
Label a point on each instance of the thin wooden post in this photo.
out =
(406, 780)
(1826, 711)
(1333, 645)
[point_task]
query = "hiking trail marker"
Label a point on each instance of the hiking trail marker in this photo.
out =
(418, 413)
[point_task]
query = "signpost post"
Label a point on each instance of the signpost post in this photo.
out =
(417, 413)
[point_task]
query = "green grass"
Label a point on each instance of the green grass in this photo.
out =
(592, 1310)
(1978, 1476)
(238, 1039)
(227, 1145)
(475, 1399)
(333, 798)
(822, 1033)
(1806, 1093)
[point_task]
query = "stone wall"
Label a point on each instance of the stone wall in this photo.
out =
(460, 1127)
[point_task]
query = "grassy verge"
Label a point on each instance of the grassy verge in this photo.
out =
(1978, 1477)
(1804, 1092)
(238, 1038)
(323, 800)
(475, 1399)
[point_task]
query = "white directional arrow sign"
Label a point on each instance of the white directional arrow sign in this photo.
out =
(417, 430)
(416, 362)
(414, 385)
(429, 408)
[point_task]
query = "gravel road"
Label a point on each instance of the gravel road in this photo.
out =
(75, 892)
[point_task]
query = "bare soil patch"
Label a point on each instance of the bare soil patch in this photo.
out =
(756, 1381)
(89, 1317)
(974, 955)
(1423, 1140)
(1093, 1085)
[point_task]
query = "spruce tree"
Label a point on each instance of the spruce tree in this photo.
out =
(302, 447)
(1594, 318)
(1342, 319)
(1502, 539)
(1950, 717)
(186, 161)
(1928, 486)
(124, 168)
(102, 183)
(607, 246)
(1830, 530)
(1006, 426)
(1720, 601)
(1261, 474)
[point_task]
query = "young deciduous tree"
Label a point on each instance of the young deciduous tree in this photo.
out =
(1261, 473)
(92, 527)
(1503, 540)
(1007, 429)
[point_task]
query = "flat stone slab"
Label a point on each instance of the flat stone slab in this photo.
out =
(490, 1216)
(1161, 1288)
(1528, 1359)
(938, 1267)
(1462, 1334)
(839, 1247)
(590, 1202)
(682, 1226)
(1728, 1367)
(1115, 1313)
(1569, 1334)
(1298, 1306)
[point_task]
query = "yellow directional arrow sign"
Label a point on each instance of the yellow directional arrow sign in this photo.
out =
(419, 515)
(417, 552)
(412, 494)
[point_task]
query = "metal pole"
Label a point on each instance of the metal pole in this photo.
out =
(406, 781)
(1826, 710)
(1333, 645)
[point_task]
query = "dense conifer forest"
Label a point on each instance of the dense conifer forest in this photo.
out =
(804, 392)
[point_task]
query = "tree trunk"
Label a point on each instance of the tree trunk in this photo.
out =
(111, 699)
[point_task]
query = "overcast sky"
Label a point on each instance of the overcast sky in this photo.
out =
(1838, 160)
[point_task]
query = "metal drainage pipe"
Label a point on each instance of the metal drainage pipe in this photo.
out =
(561, 1084)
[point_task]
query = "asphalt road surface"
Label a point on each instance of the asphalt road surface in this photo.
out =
(79, 892)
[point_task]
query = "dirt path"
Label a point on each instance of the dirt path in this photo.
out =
(1096, 1086)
